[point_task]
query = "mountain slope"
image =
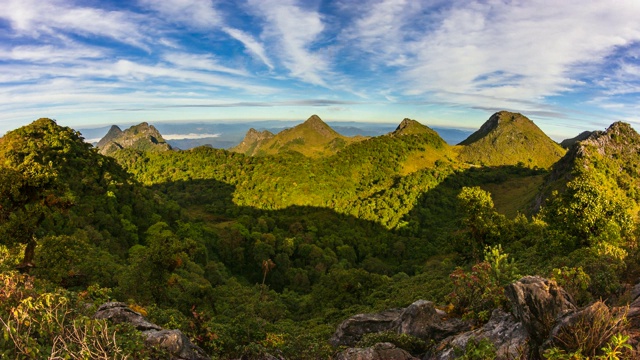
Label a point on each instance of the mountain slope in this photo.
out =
(313, 138)
(113, 133)
(143, 137)
(593, 191)
(253, 141)
(509, 139)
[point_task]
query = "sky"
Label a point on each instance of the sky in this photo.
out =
(569, 65)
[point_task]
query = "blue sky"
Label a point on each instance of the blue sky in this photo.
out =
(568, 65)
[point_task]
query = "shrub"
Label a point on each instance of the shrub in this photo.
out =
(590, 330)
(477, 292)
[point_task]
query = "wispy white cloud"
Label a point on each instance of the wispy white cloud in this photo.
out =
(254, 47)
(294, 30)
(38, 18)
(200, 62)
(193, 13)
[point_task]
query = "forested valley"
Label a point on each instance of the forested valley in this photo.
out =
(263, 257)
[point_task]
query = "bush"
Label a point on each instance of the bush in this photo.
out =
(478, 292)
(592, 329)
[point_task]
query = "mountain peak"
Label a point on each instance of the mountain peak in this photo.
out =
(499, 119)
(141, 137)
(313, 138)
(508, 139)
(410, 127)
(314, 123)
(113, 133)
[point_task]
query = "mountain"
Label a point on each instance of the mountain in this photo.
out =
(510, 139)
(313, 138)
(252, 141)
(143, 137)
(592, 192)
(412, 127)
(567, 143)
(113, 133)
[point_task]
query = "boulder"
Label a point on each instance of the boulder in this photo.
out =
(422, 320)
(119, 313)
(503, 330)
(174, 342)
(379, 351)
(537, 302)
(350, 331)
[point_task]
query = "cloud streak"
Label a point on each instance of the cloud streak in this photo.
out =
(572, 60)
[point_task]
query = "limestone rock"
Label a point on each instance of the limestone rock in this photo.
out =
(508, 335)
(537, 303)
(380, 351)
(119, 313)
(173, 341)
(350, 331)
(422, 320)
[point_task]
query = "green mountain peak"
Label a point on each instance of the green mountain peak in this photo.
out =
(508, 139)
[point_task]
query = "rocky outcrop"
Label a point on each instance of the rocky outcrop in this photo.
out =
(422, 320)
(143, 137)
(596, 322)
(350, 331)
(540, 310)
(174, 342)
(537, 302)
(380, 351)
(507, 335)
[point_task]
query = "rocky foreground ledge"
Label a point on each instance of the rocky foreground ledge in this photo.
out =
(174, 342)
(539, 311)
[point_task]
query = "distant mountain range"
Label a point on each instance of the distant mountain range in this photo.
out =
(227, 135)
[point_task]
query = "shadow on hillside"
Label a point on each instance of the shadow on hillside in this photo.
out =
(437, 215)
(427, 231)
(372, 246)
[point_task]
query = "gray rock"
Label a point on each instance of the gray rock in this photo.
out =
(508, 336)
(119, 313)
(537, 303)
(350, 331)
(173, 341)
(380, 351)
(422, 320)
(176, 343)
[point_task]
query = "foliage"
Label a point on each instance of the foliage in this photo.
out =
(575, 281)
(592, 329)
(479, 291)
(482, 349)
(37, 323)
(617, 348)
(266, 255)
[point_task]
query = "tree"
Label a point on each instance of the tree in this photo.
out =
(481, 220)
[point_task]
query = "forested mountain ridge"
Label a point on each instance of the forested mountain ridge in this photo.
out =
(143, 137)
(313, 138)
(508, 139)
(266, 255)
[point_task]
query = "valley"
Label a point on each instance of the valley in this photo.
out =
(264, 249)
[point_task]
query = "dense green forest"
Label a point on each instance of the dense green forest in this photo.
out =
(267, 255)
